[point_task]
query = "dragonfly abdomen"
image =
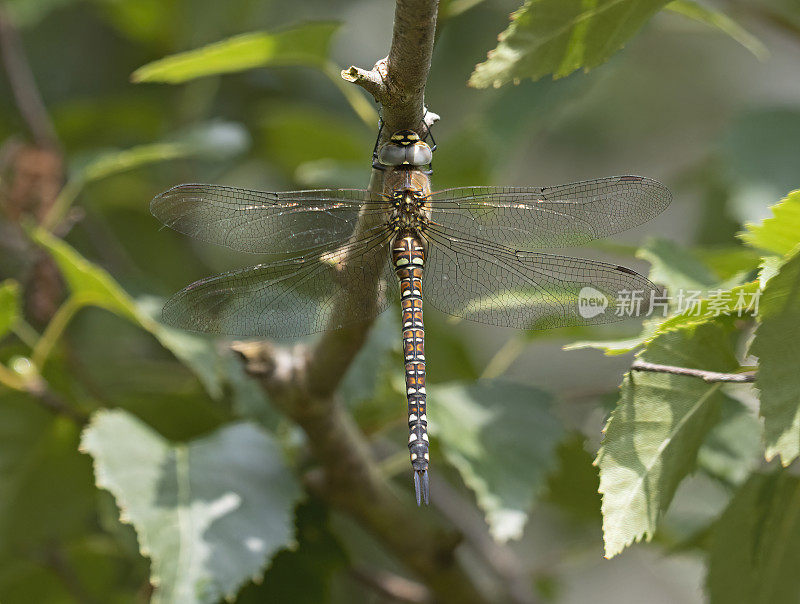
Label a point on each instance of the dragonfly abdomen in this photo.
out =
(408, 258)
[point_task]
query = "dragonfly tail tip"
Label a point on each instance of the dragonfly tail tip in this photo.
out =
(422, 486)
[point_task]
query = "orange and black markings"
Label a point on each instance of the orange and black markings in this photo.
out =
(408, 257)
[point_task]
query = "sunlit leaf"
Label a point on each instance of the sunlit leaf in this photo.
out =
(777, 346)
(209, 514)
(781, 232)
(755, 545)
(768, 268)
(740, 301)
(653, 435)
(559, 36)
(501, 437)
(722, 22)
(305, 45)
(9, 305)
(91, 283)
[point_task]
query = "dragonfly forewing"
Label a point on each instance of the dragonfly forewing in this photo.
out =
(560, 216)
(263, 222)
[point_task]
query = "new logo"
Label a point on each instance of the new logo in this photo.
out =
(591, 302)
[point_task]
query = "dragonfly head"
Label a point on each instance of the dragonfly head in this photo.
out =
(405, 149)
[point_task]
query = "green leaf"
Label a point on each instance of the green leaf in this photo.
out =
(560, 36)
(722, 22)
(369, 383)
(759, 152)
(573, 487)
(295, 135)
(319, 558)
(89, 282)
(304, 45)
(501, 437)
(39, 465)
(93, 286)
(653, 436)
(675, 266)
(729, 261)
(739, 301)
(755, 545)
(777, 346)
(216, 140)
(209, 513)
(780, 233)
(619, 346)
(733, 447)
(9, 305)
(211, 363)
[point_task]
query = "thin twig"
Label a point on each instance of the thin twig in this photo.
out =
(23, 85)
(391, 587)
(40, 390)
(64, 570)
(706, 376)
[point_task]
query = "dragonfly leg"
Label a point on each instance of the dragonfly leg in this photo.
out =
(375, 163)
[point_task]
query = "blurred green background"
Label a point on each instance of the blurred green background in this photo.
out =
(683, 103)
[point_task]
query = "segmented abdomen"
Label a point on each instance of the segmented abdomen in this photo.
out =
(408, 257)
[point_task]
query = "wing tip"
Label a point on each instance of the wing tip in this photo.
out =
(160, 200)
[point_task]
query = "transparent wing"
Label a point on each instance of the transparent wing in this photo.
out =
(315, 292)
(490, 284)
(532, 217)
(263, 222)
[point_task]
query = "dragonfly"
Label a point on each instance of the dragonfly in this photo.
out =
(342, 256)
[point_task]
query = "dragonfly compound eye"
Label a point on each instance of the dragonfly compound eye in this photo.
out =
(419, 154)
(392, 154)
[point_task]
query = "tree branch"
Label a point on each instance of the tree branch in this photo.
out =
(398, 81)
(706, 376)
(302, 382)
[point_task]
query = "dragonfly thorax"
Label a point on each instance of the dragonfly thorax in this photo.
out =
(409, 210)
